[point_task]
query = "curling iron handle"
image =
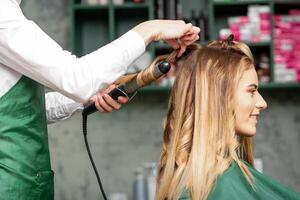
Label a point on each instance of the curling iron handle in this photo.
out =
(114, 94)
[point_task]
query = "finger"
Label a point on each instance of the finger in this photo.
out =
(99, 108)
(182, 50)
(173, 43)
(122, 99)
(188, 28)
(193, 30)
(196, 29)
(188, 37)
(191, 40)
(104, 104)
(111, 102)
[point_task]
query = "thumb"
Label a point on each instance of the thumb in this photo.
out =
(109, 88)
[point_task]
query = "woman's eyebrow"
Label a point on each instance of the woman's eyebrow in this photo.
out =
(253, 85)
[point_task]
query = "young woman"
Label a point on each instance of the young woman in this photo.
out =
(30, 60)
(207, 142)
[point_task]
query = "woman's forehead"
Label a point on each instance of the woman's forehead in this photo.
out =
(249, 77)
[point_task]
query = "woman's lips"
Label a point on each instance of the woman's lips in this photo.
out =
(254, 117)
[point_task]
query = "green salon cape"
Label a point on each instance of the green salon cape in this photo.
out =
(232, 185)
(25, 171)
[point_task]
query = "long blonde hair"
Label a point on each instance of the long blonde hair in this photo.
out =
(199, 139)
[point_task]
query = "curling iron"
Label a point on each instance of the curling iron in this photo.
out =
(138, 81)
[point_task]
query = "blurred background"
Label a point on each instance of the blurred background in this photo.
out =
(126, 144)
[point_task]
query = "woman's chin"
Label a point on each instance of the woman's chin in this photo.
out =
(247, 131)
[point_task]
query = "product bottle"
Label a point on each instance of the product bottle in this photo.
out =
(264, 74)
(151, 172)
(202, 25)
(139, 186)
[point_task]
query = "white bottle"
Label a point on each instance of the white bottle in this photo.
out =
(151, 171)
(139, 186)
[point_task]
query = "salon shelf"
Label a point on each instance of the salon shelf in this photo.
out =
(287, 2)
(93, 26)
(233, 3)
(219, 11)
(131, 5)
(89, 7)
(258, 44)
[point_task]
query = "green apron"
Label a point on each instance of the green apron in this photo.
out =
(25, 171)
(233, 186)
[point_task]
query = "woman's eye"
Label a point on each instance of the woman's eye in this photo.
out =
(252, 92)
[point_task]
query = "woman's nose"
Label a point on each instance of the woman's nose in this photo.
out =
(261, 103)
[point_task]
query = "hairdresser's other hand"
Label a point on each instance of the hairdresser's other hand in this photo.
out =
(176, 33)
(104, 103)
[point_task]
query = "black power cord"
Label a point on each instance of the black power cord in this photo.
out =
(84, 129)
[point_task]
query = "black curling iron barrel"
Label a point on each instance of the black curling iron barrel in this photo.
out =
(140, 80)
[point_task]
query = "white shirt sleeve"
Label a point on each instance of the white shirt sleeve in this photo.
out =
(25, 48)
(60, 107)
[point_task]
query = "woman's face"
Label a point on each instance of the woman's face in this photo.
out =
(248, 104)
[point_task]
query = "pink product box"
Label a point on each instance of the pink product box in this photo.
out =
(234, 27)
(264, 16)
(255, 38)
(280, 34)
(288, 63)
(238, 20)
(265, 32)
(296, 54)
(265, 26)
(244, 19)
(294, 29)
(283, 25)
(294, 12)
(283, 48)
(297, 47)
(286, 35)
(289, 41)
(237, 35)
(293, 64)
(277, 18)
(281, 40)
(282, 57)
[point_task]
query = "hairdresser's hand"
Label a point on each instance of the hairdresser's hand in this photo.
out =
(176, 33)
(104, 103)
